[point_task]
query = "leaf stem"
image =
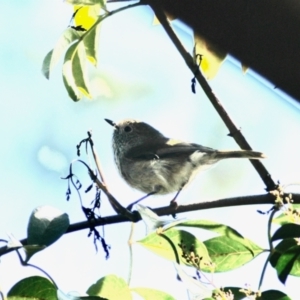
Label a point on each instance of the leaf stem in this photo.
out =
(108, 14)
(271, 248)
(130, 253)
(24, 264)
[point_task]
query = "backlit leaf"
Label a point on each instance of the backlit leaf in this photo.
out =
(69, 36)
(273, 295)
(287, 231)
(73, 72)
(110, 287)
(212, 56)
(162, 245)
(35, 287)
(286, 259)
(228, 254)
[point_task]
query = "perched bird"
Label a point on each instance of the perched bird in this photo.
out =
(155, 164)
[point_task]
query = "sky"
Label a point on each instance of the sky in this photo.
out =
(140, 75)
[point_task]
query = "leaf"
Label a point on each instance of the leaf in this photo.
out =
(228, 254)
(287, 231)
(213, 226)
(287, 217)
(236, 292)
(283, 247)
(69, 36)
(273, 295)
(153, 221)
(220, 229)
(162, 245)
(78, 67)
(150, 294)
(91, 43)
(86, 17)
(110, 287)
(73, 72)
(212, 56)
(13, 243)
(46, 225)
(285, 259)
(34, 287)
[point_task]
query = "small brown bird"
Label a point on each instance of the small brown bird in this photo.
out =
(155, 164)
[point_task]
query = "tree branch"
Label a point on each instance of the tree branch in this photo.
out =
(233, 130)
(169, 210)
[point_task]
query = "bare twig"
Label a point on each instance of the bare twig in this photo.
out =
(233, 130)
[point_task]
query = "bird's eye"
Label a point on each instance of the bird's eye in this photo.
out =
(127, 129)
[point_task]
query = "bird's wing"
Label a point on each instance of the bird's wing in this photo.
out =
(157, 150)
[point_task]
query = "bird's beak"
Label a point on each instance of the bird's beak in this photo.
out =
(112, 123)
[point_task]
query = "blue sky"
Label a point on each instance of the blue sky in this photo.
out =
(141, 76)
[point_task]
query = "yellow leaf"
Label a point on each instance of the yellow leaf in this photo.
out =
(244, 68)
(86, 16)
(212, 57)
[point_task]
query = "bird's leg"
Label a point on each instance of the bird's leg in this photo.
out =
(129, 207)
(173, 202)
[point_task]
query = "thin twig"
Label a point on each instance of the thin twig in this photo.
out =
(119, 209)
(130, 253)
(233, 130)
(98, 165)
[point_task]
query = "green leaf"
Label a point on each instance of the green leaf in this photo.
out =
(92, 36)
(162, 245)
(213, 226)
(287, 231)
(34, 287)
(110, 287)
(150, 294)
(286, 218)
(73, 72)
(91, 43)
(236, 292)
(283, 256)
(288, 263)
(69, 36)
(46, 225)
(282, 247)
(78, 68)
(273, 295)
(222, 230)
(228, 254)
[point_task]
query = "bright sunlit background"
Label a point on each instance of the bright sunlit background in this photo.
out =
(140, 75)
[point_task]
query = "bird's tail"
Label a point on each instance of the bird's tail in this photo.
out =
(238, 154)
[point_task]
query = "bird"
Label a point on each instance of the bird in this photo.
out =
(154, 164)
